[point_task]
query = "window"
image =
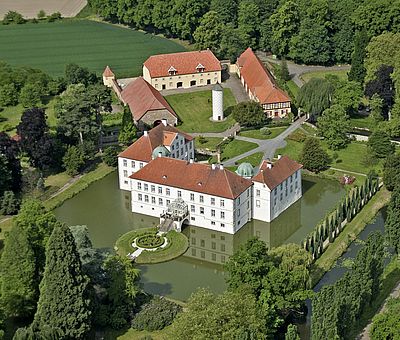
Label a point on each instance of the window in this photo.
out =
(212, 201)
(193, 241)
(222, 237)
(167, 192)
(125, 182)
(192, 209)
(193, 251)
(212, 222)
(238, 212)
(291, 178)
(212, 213)
(257, 203)
(212, 235)
(295, 174)
(202, 243)
(222, 247)
(275, 201)
(125, 162)
(238, 201)
(153, 200)
(192, 197)
(202, 254)
(192, 218)
(139, 186)
(213, 245)
(201, 199)
(153, 188)
(140, 197)
(140, 165)
(160, 190)
(222, 215)
(133, 164)
(125, 173)
(222, 203)
(222, 258)
(146, 187)
(146, 198)
(202, 210)
(160, 201)
(179, 193)
(213, 257)
(258, 193)
(281, 196)
(167, 202)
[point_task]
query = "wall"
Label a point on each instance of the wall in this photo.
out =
(151, 116)
(124, 171)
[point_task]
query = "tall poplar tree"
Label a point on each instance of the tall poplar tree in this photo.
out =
(19, 284)
(358, 71)
(63, 301)
(392, 223)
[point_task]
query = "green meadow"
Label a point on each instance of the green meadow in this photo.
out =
(50, 46)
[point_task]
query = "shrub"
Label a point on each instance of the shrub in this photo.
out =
(297, 136)
(110, 156)
(380, 144)
(265, 131)
(156, 314)
(9, 204)
(41, 14)
(201, 140)
(13, 17)
(55, 16)
(73, 160)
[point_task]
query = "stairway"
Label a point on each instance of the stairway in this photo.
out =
(166, 226)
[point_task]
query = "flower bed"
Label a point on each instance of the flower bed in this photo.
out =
(149, 241)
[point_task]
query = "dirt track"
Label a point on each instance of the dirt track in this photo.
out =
(30, 8)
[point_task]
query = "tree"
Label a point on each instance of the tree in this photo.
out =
(232, 315)
(232, 43)
(333, 125)
(73, 160)
(12, 17)
(30, 95)
(357, 71)
(248, 266)
(110, 156)
(249, 114)
(376, 105)
(380, 144)
(226, 10)
(18, 275)
(285, 24)
(391, 171)
(315, 96)
(386, 325)
(392, 222)
(41, 14)
(128, 134)
(33, 332)
(5, 175)
(313, 156)
(9, 203)
(8, 95)
(10, 149)
(248, 22)
(208, 33)
(35, 139)
(63, 301)
(38, 224)
(75, 74)
(291, 333)
(347, 94)
(284, 71)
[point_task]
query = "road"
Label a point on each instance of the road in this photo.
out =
(297, 70)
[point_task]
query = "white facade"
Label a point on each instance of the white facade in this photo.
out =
(218, 104)
(127, 167)
(211, 212)
(184, 81)
(267, 204)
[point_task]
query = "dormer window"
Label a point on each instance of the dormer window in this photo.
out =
(172, 71)
(200, 68)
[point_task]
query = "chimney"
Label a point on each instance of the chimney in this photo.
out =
(212, 166)
(221, 167)
(164, 122)
(279, 157)
(191, 161)
(269, 166)
(145, 133)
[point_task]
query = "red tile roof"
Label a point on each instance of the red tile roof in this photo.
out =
(259, 80)
(107, 72)
(194, 177)
(183, 63)
(282, 169)
(142, 97)
(142, 149)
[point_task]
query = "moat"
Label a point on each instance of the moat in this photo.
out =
(106, 211)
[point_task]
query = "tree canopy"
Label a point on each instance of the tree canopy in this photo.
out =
(249, 114)
(313, 156)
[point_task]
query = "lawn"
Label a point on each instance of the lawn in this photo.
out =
(195, 109)
(132, 334)
(235, 148)
(254, 160)
(208, 143)
(258, 135)
(50, 46)
(11, 116)
(293, 88)
(342, 74)
(348, 159)
(359, 121)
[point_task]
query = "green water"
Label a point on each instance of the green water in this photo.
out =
(106, 211)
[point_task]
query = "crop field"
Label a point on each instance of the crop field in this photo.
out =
(50, 46)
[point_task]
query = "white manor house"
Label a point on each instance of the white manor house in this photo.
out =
(165, 182)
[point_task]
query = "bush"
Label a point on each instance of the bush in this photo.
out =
(13, 17)
(110, 156)
(156, 314)
(313, 156)
(380, 143)
(9, 204)
(297, 136)
(41, 14)
(73, 160)
(265, 131)
(55, 16)
(202, 140)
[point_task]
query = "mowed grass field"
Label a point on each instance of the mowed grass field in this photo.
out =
(50, 46)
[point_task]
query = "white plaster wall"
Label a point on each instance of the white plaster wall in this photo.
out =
(261, 202)
(218, 105)
(127, 167)
(171, 82)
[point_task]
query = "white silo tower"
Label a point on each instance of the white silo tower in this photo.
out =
(218, 102)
